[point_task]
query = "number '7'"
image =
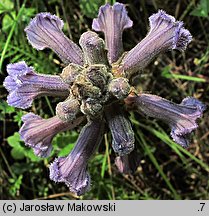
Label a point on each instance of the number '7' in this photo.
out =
(203, 204)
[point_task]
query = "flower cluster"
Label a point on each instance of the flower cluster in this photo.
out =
(97, 90)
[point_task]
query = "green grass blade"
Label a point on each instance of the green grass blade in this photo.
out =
(10, 34)
(185, 77)
(49, 105)
(157, 166)
(167, 74)
(177, 148)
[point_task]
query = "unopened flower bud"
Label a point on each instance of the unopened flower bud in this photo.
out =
(119, 87)
(93, 48)
(68, 109)
(91, 107)
(121, 130)
(97, 75)
(70, 73)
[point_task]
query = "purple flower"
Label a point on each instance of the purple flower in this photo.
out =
(38, 133)
(45, 31)
(120, 128)
(72, 170)
(165, 34)
(180, 117)
(24, 85)
(97, 87)
(112, 20)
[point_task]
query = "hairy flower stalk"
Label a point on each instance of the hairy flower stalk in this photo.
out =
(96, 86)
(180, 117)
(24, 85)
(38, 133)
(72, 170)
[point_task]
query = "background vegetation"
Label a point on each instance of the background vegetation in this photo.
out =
(166, 170)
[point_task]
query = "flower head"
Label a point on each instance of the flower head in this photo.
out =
(96, 87)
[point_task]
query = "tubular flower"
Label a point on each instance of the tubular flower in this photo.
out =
(38, 133)
(96, 87)
(112, 20)
(180, 117)
(121, 130)
(45, 31)
(165, 34)
(72, 170)
(24, 85)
